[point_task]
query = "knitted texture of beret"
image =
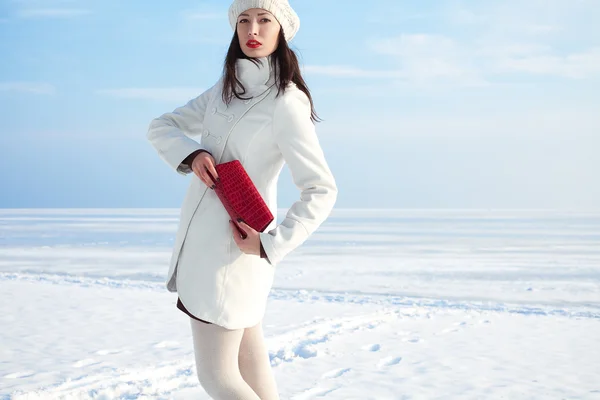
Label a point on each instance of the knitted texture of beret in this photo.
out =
(281, 9)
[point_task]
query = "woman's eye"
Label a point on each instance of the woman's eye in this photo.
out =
(243, 21)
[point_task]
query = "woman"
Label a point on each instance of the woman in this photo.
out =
(261, 113)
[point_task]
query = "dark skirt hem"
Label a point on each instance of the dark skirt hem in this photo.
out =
(182, 308)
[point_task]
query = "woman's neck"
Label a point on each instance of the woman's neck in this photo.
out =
(254, 75)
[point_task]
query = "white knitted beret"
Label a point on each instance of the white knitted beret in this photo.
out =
(281, 9)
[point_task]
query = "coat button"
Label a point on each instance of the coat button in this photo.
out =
(205, 133)
(218, 139)
(230, 118)
(214, 110)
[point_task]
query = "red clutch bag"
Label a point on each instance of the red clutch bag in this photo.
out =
(240, 197)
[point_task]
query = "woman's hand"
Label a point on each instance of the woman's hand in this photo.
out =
(249, 245)
(203, 164)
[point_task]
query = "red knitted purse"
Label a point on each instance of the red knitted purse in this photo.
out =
(240, 197)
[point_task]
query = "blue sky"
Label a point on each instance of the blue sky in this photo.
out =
(429, 104)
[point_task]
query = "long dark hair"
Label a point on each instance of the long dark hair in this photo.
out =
(286, 68)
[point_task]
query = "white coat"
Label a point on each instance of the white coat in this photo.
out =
(214, 279)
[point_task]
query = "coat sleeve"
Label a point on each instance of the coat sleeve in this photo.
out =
(169, 133)
(297, 140)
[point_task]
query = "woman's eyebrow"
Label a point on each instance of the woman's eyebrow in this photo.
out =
(259, 14)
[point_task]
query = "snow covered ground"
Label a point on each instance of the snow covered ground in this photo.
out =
(379, 304)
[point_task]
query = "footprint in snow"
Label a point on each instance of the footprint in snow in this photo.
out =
(313, 392)
(86, 362)
(457, 327)
(336, 373)
(447, 330)
(372, 347)
(21, 374)
(389, 361)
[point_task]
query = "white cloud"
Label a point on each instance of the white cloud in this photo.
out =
(543, 29)
(577, 65)
(27, 87)
(509, 50)
(181, 94)
(555, 24)
(423, 57)
(491, 41)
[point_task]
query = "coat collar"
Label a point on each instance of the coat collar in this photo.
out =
(255, 78)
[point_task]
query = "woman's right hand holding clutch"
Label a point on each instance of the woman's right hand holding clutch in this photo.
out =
(203, 165)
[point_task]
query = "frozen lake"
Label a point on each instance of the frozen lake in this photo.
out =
(378, 304)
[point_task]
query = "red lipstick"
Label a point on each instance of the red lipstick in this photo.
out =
(253, 44)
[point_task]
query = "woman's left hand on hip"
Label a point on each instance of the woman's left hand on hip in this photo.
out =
(249, 245)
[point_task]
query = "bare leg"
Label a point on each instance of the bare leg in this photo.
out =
(216, 351)
(255, 365)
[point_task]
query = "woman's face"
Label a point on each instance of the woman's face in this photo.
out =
(258, 32)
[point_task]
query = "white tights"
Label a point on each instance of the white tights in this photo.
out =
(233, 364)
